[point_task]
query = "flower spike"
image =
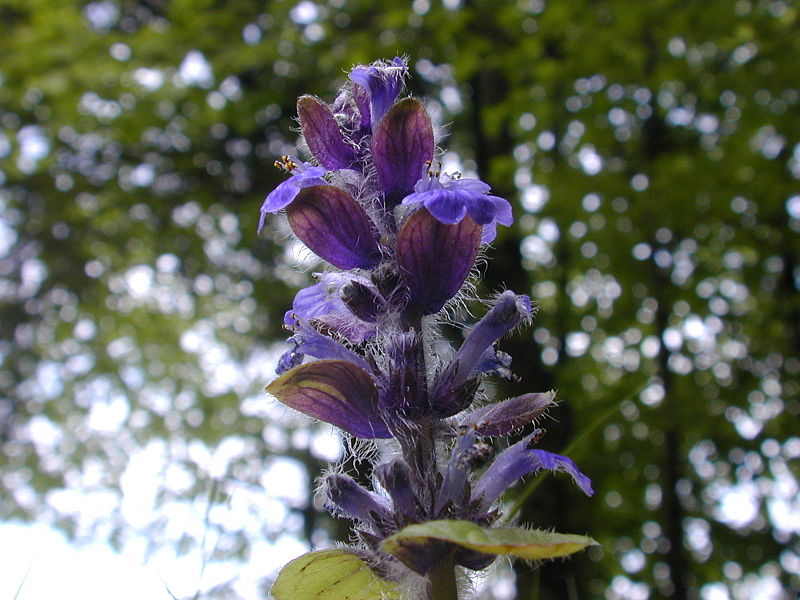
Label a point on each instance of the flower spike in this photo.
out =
(365, 355)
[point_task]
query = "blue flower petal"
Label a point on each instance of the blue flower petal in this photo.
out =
(323, 303)
(445, 205)
(482, 209)
(489, 233)
(281, 196)
(450, 198)
(508, 311)
(303, 175)
(307, 340)
(382, 82)
(517, 461)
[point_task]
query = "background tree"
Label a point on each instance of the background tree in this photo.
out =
(652, 152)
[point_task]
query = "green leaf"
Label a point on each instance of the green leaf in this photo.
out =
(331, 575)
(409, 543)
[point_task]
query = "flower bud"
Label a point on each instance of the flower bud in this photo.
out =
(335, 227)
(435, 259)
(402, 147)
(322, 134)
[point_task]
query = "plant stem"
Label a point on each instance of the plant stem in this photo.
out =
(442, 580)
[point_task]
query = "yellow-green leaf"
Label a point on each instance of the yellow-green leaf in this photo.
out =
(525, 543)
(331, 575)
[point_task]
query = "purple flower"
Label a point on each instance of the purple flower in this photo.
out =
(450, 198)
(322, 303)
(506, 416)
(402, 147)
(369, 326)
(336, 392)
(454, 486)
(455, 386)
(345, 495)
(308, 341)
(382, 83)
(473, 355)
(434, 259)
(519, 460)
(335, 227)
(395, 477)
(323, 135)
(303, 175)
(404, 394)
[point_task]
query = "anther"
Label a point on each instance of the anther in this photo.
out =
(286, 164)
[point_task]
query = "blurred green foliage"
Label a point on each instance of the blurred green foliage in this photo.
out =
(652, 151)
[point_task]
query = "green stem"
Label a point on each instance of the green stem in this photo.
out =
(442, 580)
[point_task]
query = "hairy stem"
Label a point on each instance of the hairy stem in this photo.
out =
(442, 580)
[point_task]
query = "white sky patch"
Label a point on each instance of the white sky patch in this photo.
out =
(251, 34)
(534, 197)
(304, 12)
(784, 513)
(139, 280)
(226, 451)
(8, 237)
(44, 432)
(48, 380)
(535, 248)
(451, 162)
(41, 563)
(33, 147)
(793, 207)
(747, 426)
(101, 15)
(152, 79)
(284, 478)
(714, 591)
(693, 327)
(196, 70)
(548, 231)
(140, 484)
(142, 175)
(108, 415)
(577, 343)
(451, 98)
(326, 445)
(672, 339)
(591, 161)
(738, 507)
(633, 561)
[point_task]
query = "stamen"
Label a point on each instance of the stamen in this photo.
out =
(286, 163)
(475, 456)
(536, 436)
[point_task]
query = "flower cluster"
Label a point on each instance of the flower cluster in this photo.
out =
(402, 239)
